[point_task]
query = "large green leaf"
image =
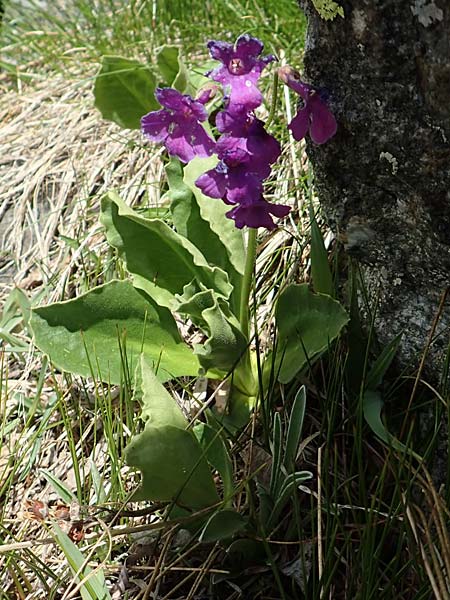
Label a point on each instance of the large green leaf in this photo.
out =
(213, 446)
(307, 323)
(201, 227)
(88, 335)
(213, 211)
(222, 525)
(171, 67)
(226, 344)
(124, 91)
(158, 406)
(161, 261)
(173, 467)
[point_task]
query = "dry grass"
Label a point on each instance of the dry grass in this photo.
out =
(58, 159)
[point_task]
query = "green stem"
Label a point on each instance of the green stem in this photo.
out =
(247, 281)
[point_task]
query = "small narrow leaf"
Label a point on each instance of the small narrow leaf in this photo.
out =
(320, 268)
(295, 429)
(124, 91)
(94, 587)
(382, 363)
(276, 446)
(372, 407)
(60, 488)
(288, 489)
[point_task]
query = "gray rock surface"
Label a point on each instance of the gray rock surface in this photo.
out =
(384, 179)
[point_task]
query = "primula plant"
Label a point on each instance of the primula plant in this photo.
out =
(198, 265)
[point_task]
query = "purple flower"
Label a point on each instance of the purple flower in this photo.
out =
(177, 125)
(232, 183)
(247, 141)
(315, 115)
(256, 213)
(240, 71)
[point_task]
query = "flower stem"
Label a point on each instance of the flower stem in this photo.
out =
(247, 281)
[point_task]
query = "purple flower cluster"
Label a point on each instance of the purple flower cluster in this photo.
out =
(245, 150)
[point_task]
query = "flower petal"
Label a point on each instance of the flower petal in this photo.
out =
(222, 51)
(261, 144)
(232, 150)
(200, 141)
(247, 46)
(213, 183)
(170, 98)
(188, 140)
(257, 214)
(323, 123)
(300, 123)
(236, 123)
(155, 125)
(242, 185)
(244, 94)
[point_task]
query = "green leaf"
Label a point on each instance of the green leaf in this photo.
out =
(60, 488)
(124, 91)
(289, 487)
(328, 9)
(222, 525)
(320, 267)
(98, 484)
(276, 447)
(94, 588)
(202, 220)
(86, 335)
(161, 261)
(197, 78)
(226, 343)
(173, 467)
(213, 211)
(172, 67)
(16, 302)
(213, 446)
(295, 429)
(158, 406)
(382, 363)
(245, 552)
(372, 407)
(307, 323)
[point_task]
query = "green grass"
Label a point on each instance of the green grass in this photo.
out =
(66, 32)
(370, 525)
